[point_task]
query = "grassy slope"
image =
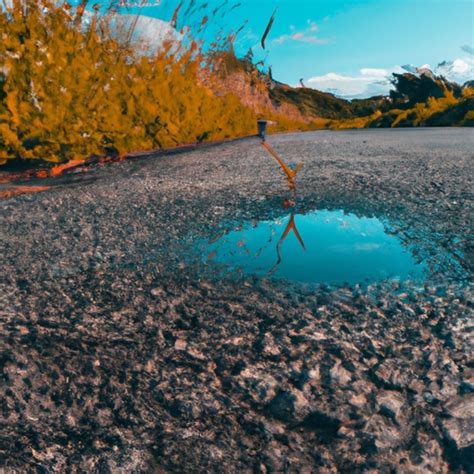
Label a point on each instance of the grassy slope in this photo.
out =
(423, 100)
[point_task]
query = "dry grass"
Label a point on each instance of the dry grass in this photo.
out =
(68, 90)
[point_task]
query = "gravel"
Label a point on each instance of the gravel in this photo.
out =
(122, 353)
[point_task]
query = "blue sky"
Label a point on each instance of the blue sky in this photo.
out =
(353, 39)
(358, 34)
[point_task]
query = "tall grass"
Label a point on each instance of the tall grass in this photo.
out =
(70, 89)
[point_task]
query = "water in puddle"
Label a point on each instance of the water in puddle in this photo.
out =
(321, 247)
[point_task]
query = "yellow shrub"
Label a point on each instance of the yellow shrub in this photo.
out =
(357, 122)
(70, 92)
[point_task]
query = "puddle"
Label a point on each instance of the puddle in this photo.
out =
(320, 247)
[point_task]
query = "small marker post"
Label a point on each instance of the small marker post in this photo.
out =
(262, 128)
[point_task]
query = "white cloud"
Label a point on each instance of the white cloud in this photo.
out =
(312, 26)
(460, 70)
(371, 81)
(460, 67)
(305, 36)
(368, 83)
(300, 36)
(373, 73)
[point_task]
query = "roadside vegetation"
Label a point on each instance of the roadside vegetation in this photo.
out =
(72, 88)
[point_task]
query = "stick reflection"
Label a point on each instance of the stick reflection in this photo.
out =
(291, 226)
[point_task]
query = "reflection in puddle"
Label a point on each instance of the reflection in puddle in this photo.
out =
(320, 247)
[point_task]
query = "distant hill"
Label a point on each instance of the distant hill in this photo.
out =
(427, 100)
(310, 102)
(419, 98)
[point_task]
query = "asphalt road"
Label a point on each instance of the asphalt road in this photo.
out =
(120, 353)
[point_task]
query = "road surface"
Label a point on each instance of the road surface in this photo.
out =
(120, 354)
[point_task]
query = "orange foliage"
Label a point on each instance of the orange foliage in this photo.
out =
(357, 122)
(71, 91)
(59, 169)
(468, 92)
(17, 190)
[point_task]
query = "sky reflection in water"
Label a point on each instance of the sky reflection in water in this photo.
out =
(320, 247)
